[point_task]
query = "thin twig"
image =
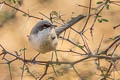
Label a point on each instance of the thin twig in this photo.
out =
(84, 6)
(97, 14)
(1, 6)
(23, 64)
(45, 72)
(73, 44)
(116, 26)
(20, 10)
(71, 51)
(10, 71)
(118, 4)
(54, 69)
(31, 74)
(75, 62)
(89, 12)
(69, 24)
(110, 46)
(86, 45)
(99, 45)
(76, 72)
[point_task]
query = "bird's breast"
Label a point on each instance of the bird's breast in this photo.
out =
(44, 41)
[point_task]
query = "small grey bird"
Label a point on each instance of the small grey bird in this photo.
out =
(43, 37)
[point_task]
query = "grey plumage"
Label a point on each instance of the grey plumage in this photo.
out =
(43, 37)
(42, 24)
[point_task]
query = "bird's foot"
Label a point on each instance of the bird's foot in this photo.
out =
(34, 59)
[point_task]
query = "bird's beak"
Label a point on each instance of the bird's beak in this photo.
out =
(53, 26)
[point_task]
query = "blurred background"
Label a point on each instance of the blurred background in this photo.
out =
(15, 26)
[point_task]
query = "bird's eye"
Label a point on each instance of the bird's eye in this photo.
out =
(46, 25)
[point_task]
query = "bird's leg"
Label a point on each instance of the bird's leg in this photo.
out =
(52, 56)
(56, 56)
(35, 57)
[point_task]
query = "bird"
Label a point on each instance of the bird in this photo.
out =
(43, 37)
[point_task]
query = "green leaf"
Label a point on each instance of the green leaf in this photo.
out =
(80, 46)
(105, 20)
(111, 39)
(99, 2)
(22, 49)
(99, 20)
(24, 14)
(13, 1)
(51, 78)
(107, 7)
(102, 20)
(54, 13)
(99, 16)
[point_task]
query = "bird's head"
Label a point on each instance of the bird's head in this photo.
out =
(43, 37)
(41, 25)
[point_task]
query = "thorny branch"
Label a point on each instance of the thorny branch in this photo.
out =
(5, 3)
(69, 24)
(45, 72)
(97, 14)
(86, 52)
(89, 12)
(25, 61)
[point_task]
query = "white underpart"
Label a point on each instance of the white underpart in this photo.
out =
(43, 42)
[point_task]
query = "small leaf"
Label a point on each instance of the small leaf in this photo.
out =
(111, 39)
(54, 13)
(24, 14)
(99, 16)
(51, 78)
(14, 1)
(107, 7)
(105, 20)
(80, 46)
(23, 49)
(99, 2)
(99, 20)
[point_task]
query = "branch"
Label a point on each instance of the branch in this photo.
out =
(116, 26)
(69, 24)
(20, 10)
(70, 41)
(45, 72)
(59, 30)
(85, 6)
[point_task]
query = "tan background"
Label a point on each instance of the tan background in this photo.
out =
(13, 36)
